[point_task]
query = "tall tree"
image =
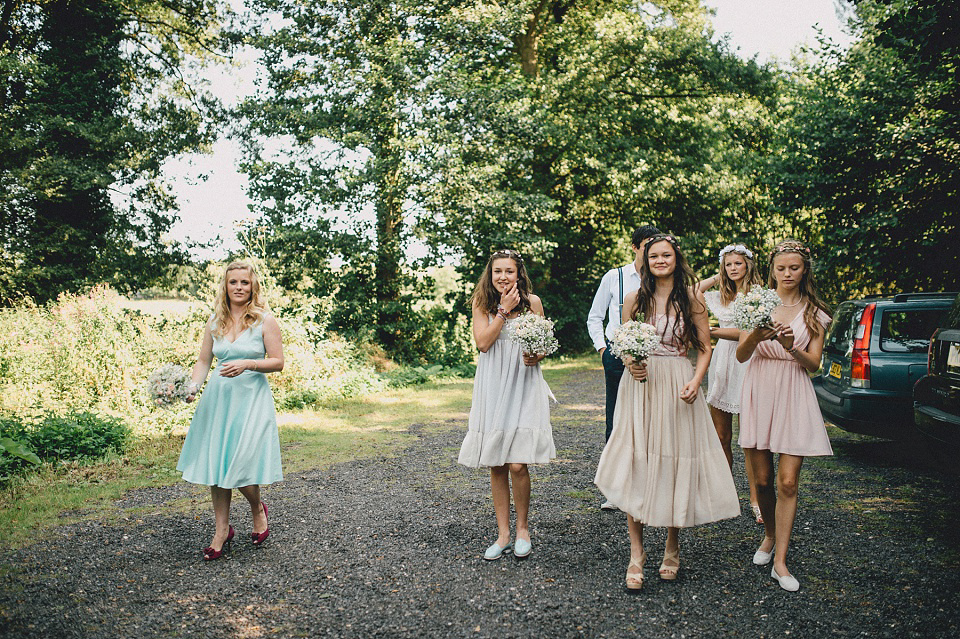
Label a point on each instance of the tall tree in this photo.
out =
(92, 102)
(873, 146)
(342, 90)
(567, 125)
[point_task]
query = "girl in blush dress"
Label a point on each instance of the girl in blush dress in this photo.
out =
(738, 273)
(778, 408)
(663, 464)
(510, 415)
(233, 440)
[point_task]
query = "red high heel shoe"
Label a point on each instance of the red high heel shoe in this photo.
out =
(258, 538)
(209, 554)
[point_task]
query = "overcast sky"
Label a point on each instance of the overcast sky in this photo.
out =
(766, 28)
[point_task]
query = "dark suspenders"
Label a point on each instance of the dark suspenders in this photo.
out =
(620, 270)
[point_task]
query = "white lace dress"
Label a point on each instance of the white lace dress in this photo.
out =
(725, 377)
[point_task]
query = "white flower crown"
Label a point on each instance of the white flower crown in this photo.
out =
(735, 248)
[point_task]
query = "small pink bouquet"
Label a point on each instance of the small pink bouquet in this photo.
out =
(169, 385)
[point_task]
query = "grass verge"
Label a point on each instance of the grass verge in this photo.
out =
(346, 430)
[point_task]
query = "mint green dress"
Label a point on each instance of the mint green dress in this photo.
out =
(233, 439)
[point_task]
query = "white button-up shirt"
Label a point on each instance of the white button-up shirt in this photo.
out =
(608, 302)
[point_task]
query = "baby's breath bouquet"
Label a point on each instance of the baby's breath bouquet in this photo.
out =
(752, 310)
(169, 384)
(534, 334)
(636, 339)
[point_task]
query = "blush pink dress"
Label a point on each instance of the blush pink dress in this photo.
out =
(778, 407)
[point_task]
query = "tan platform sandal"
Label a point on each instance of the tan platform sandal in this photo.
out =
(668, 572)
(635, 579)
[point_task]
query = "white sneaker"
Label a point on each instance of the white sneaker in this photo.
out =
(608, 505)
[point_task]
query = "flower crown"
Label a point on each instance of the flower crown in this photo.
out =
(663, 236)
(790, 246)
(507, 253)
(735, 248)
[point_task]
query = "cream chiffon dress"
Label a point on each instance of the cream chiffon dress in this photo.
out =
(663, 463)
(510, 414)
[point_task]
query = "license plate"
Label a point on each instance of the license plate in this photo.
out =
(953, 357)
(835, 370)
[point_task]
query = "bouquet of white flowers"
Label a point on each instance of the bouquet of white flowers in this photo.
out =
(752, 310)
(534, 334)
(636, 339)
(169, 384)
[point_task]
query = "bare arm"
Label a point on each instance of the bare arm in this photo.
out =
(485, 332)
(705, 285)
(202, 368)
(749, 340)
(809, 358)
(536, 306)
(726, 333)
(690, 390)
(637, 369)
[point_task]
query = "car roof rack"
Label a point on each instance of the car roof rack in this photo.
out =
(903, 297)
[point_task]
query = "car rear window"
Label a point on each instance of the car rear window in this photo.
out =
(908, 330)
(953, 318)
(841, 331)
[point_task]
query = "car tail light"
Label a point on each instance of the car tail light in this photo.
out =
(933, 339)
(860, 357)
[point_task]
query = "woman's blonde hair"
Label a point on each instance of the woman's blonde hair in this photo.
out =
(728, 288)
(255, 308)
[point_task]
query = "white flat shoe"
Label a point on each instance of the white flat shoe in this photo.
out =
(608, 505)
(762, 558)
(787, 582)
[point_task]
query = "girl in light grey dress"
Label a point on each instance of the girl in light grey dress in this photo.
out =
(510, 415)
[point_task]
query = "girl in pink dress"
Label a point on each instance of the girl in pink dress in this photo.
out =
(778, 407)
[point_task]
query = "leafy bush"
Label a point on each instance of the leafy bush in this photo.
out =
(87, 353)
(16, 456)
(78, 436)
(413, 375)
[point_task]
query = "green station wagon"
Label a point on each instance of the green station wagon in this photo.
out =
(873, 354)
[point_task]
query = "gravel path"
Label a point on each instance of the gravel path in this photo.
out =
(391, 547)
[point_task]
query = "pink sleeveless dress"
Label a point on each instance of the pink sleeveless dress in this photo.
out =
(778, 406)
(663, 463)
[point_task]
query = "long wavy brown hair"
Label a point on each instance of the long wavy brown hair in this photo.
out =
(486, 296)
(728, 288)
(807, 288)
(254, 310)
(680, 300)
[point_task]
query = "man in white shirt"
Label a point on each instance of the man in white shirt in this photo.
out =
(608, 302)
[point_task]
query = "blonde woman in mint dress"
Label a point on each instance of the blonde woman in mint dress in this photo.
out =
(233, 440)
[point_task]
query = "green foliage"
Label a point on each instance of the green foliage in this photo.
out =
(78, 436)
(872, 145)
(93, 99)
(16, 456)
(599, 118)
(90, 354)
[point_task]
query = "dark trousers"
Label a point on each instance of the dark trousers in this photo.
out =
(612, 372)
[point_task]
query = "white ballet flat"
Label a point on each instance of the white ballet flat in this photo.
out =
(787, 582)
(762, 558)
